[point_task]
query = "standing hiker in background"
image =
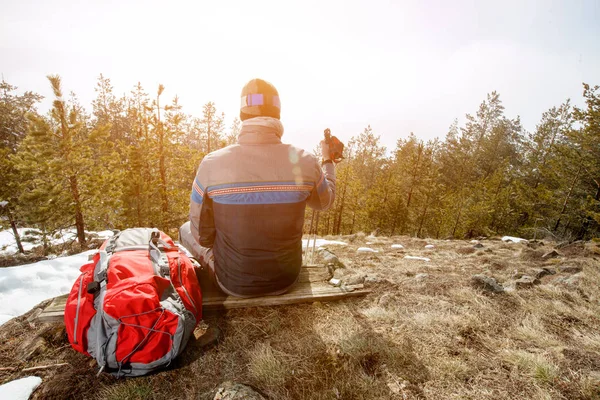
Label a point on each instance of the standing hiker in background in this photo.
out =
(248, 201)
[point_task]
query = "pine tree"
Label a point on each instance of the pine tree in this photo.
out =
(212, 126)
(13, 128)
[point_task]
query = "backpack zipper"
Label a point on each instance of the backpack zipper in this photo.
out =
(77, 311)
(183, 287)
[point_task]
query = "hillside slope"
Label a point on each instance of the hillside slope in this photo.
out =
(429, 329)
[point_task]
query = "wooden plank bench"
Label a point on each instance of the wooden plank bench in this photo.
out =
(312, 286)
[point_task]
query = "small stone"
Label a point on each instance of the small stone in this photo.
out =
(421, 277)
(366, 250)
(356, 279)
(236, 391)
(397, 246)
(572, 280)
(335, 282)
(539, 273)
(330, 258)
(211, 337)
(550, 254)
(429, 246)
(478, 246)
(570, 269)
(486, 283)
(526, 282)
(373, 279)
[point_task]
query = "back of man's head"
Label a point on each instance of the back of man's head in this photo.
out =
(259, 99)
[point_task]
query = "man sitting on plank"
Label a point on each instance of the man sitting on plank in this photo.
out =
(248, 201)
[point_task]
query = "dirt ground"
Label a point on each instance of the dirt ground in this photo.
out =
(427, 330)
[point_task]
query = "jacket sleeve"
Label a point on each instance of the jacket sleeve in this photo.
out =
(201, 216)
(323, 194)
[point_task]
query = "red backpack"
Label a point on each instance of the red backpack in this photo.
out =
(135, 305)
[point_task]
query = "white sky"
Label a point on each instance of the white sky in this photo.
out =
(399, 66)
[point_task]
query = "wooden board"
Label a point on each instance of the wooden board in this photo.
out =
(312, 286)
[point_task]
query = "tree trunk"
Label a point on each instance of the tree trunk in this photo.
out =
(79, 225)
(588, 220)
(457, 218)
(338, 227)
(423, 216)
(564, 207)
(13, 225)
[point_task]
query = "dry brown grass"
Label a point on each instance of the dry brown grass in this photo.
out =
(414, 337)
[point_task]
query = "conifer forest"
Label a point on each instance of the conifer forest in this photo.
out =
(130, 161)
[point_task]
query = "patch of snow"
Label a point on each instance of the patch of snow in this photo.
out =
(105, 234)
(31, 238)
(369, 243)
(512, 239)
(429, 246)
(8, 244)
(366, 250)
(397, 246)
(24, 286)
(474, 241)
(20, 389)
(417, 258)
(321, 243)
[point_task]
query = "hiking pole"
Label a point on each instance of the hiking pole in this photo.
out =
(312, 255)
(309, 233)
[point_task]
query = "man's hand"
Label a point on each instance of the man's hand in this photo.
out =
(325, 155)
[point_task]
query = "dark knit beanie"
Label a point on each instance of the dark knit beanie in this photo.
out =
(259, 99)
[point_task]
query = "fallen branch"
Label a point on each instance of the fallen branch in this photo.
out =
(43, 367)
(8, 369)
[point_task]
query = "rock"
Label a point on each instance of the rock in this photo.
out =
(366, 250)
(335, 282)
(429, 246)
(330, 259)
(572, 280)
(237, 391)
(486, 283)
(570, 269)
(539, 273)
(210, 337)
(526, 282)
(550, 254)
(373, 279)
(478, 246)
(421, 277)
(397, 246)
(355, 279)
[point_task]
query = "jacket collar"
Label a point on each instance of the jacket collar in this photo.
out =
(261, 131)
